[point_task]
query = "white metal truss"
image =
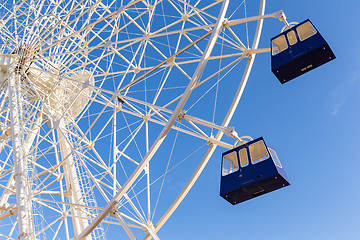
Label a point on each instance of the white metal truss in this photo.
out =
(102, 102)
(21, 176)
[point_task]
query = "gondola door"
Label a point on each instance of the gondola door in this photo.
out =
(236, 173)
(245, 172)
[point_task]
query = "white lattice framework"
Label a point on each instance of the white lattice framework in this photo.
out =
(111, 109)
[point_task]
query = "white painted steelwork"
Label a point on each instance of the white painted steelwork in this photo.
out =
(21, 176)
(96, 99)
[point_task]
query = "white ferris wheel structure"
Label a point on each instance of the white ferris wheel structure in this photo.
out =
(105, 102)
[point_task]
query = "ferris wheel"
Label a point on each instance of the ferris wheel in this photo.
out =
(110, 110)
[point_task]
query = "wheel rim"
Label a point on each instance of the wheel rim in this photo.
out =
(96, 87)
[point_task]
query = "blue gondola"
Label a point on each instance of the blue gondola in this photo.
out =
(250, 170)
(297, 51)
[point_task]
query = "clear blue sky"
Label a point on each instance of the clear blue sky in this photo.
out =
(313, 123)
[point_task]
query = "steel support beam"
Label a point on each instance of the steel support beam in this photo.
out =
(79, 217)
(23, 187)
